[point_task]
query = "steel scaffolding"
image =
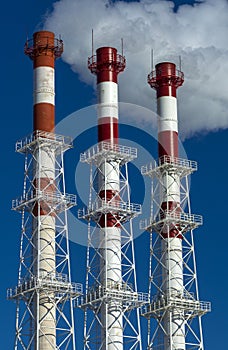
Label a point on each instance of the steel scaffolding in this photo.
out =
(44, 294)
(174, 311)
(111, 289)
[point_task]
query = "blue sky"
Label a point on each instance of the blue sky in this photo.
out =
(209, 190)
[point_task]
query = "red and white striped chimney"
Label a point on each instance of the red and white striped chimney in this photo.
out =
(165, 80)
(43, 50)
(107, 64)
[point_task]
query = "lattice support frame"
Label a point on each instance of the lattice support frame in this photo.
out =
(121, 295)
(51, 288)
(170, 304)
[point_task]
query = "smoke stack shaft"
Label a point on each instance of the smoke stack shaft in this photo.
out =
(106, 64)
(43, 51)
(165, 80)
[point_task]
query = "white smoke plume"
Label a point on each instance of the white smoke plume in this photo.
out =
(196, 33)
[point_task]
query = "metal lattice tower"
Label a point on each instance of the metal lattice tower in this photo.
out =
(45, 293)
(111, 303)
(174, 313)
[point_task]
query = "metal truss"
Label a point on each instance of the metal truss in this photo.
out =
(117, 297)
(173, 311)
(44, 289)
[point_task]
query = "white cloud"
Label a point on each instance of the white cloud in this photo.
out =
(198, 33)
